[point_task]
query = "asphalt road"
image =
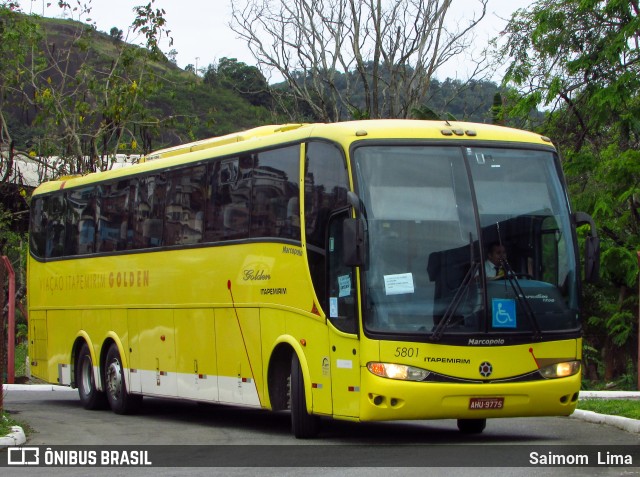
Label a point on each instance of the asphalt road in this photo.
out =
(259, 442)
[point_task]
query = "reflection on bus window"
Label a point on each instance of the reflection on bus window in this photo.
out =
(185, 202)
(148, 211)
(274, 212)
(115, 231)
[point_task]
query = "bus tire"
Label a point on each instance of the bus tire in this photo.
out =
(303, 424)
(472, 426)
(120, 401)
(90, 397)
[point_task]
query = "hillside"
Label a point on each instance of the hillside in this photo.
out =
(92, 73)
(87, 94)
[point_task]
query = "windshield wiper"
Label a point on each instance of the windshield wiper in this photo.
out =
(455, 302)
(522, 299)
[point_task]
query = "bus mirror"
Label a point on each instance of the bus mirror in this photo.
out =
(591, 248)
(354, 242)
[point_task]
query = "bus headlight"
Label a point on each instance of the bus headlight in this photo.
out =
(560, 370)
(398, 371)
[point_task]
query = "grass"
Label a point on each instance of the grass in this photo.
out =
(6, 422)
(21, 351)
(615, 407)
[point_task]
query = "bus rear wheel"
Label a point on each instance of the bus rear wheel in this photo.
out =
(303, 424)
(472, 426)
(120, 401)
(90, 397)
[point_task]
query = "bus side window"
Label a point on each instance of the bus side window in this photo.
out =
(37, 228)
(275, 190)
(55, 227)
(149, 211)
(217, 176)
(341, 286)
(80, 221)
(231, 199)
(115, 230)
(184, 207)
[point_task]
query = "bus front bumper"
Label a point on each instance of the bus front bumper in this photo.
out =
(385, 399)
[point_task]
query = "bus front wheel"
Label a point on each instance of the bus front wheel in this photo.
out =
(120, 400)
(472, 426)
(90, 397)
(303, 424)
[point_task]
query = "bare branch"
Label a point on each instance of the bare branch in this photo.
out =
(330, 51)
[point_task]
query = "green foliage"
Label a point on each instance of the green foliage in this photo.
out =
(7, 421)
(116, 34)
(246, 80)
(13, 244)
(580, 55)
(20, 358)
(95, 96)
(152, 24)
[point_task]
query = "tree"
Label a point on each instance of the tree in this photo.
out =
(173, 56)
(247, 80)
(84, 110)
(581, 56)
(580, 60)
(389, 50)
(116, 34)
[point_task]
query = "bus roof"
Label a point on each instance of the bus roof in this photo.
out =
(268, 136)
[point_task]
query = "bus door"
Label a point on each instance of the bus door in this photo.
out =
(343, 328)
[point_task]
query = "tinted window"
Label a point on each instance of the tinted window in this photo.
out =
(54, 225)
(228, 205)
(148, 211)
(184, 210)
(215, 200)
(326, 186)
(115, 230)
(253, 195)
(276, 204)
(81, 221)
(37, 227)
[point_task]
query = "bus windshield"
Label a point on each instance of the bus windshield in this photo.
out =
(434, 214)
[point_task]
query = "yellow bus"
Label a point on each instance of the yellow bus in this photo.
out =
(337, 270)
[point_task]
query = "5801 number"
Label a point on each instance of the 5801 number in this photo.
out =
(402, 352)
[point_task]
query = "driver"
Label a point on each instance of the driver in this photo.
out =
(496, 256)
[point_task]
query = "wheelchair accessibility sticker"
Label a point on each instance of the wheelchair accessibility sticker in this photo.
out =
(503, 312)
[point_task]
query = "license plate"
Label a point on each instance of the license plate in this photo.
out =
(482, 404)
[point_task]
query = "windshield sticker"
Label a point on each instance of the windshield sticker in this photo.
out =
(344, 286)
(503, 313)
(399, 284)
(333, 307)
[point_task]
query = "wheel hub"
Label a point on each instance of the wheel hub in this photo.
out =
(114, 380)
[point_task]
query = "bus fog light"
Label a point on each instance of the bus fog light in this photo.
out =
(560, 370)
(398, 371)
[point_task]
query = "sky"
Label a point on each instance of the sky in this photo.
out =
(200, 30)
